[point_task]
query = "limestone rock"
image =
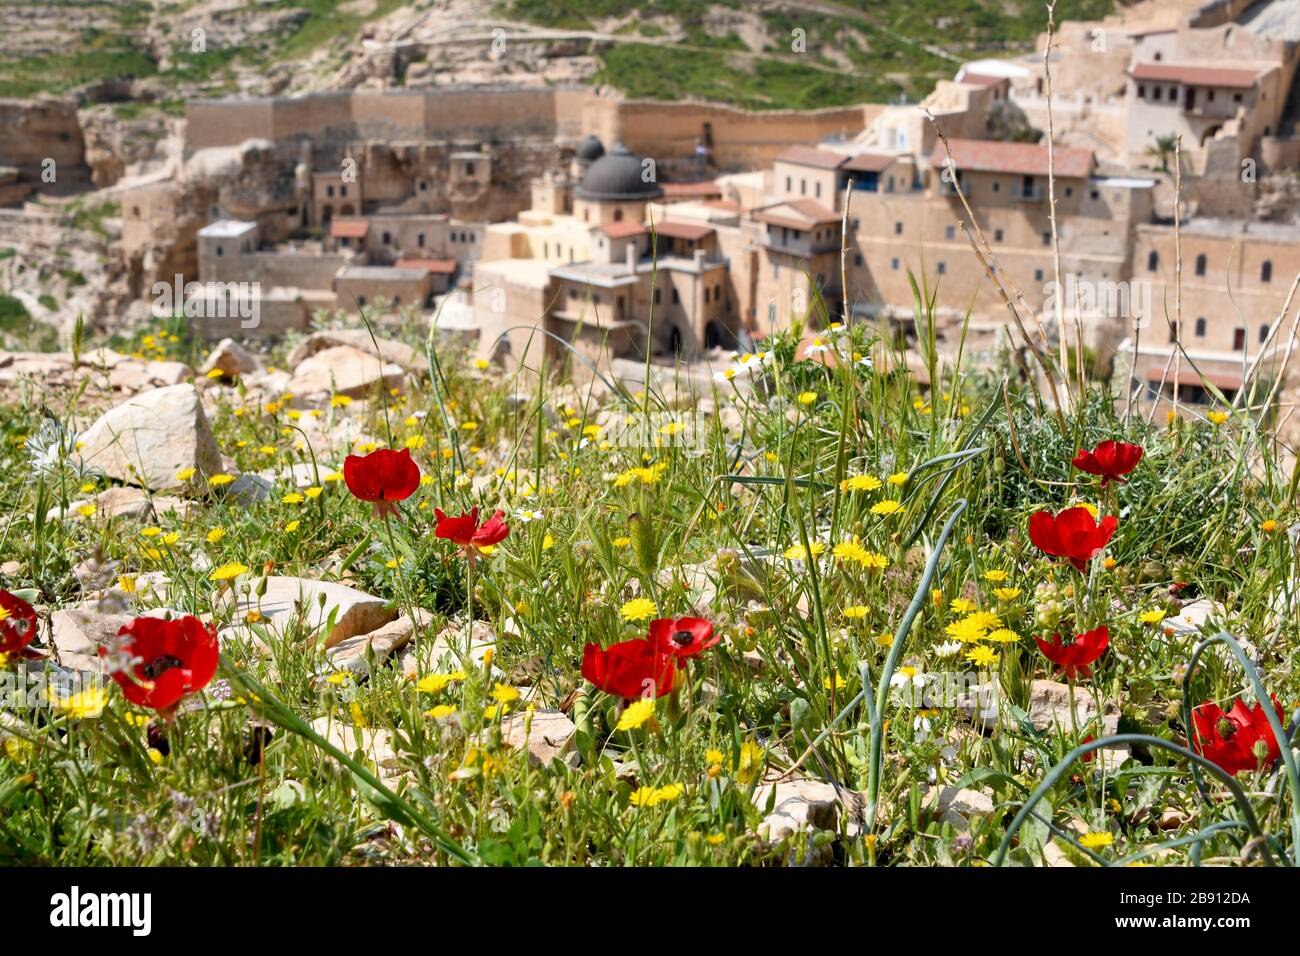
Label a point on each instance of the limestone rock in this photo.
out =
(352, 654)
(124, 502)
(312, 603)
(375, 744)
(443, 653)
(549, 736)
(341, 370)
(957, 805)
(801, 803)
(137, 376)
(397, 353)
(232, 360)
(147, 440)
(1049, 709)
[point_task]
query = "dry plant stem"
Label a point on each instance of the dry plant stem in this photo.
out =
(1178, 267)
(1264, 350)
(1051, 203)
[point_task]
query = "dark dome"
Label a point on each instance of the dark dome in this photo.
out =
(617, 176)
(589, 150)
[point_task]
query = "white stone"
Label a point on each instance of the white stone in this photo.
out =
(341, 370)
(353, 654)
(147, 440)
(550, 735)
(232, 359)
(290, 600)
(397, 353)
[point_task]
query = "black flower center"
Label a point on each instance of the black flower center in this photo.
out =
(683, 638)
(160, 664)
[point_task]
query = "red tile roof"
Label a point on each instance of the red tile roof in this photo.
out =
(446, 266)
(349, 228)
(1191, 377)
(802, 214)
(622, 230)
(983, 79)
(707, 188)
(1196, 75)
(811, 156)
(1028, 159)
(683, 230)
(870, 162)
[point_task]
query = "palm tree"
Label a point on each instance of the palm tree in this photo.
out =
(1163, 150)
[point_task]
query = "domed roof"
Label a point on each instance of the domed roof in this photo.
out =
(589, 150)
(617, 176)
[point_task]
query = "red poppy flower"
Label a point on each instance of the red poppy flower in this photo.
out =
(630, 668)
(1074, 658)
(384, 477)
(162, 661)
(1073, 534)
(683, 637)
(1237, 740)
(468, 533)
(17, 623)
(1110, 460)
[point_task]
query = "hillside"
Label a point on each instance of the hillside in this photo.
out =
(848, 51)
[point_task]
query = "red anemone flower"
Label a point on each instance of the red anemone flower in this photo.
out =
(384, 477)
(17, 623)
(1110, 460)
(629, 669)
(466, 532)
(1075, 658)
(1073, 534)
(1237, 740)
(162, 661)
(683, 637)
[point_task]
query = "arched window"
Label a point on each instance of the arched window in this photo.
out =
(1266, 271)
(1201, 264)
(1153, 261)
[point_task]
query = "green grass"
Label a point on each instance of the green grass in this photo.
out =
(718, 527)
(668, 73)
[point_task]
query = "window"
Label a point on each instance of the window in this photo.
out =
(388, 238)
(343, 190)
(803, 187)
(1047, 238)
(717, 291)
(1155, 93)
(789, 184)
(817, 190)
(1236, 97)
(419, 239)
(546, 250)
(1200, 328)
(573, 293)
(424, 187)
(893, 264)
(1263, 333)
(618, 215)
(997, 235)
(1173, 331)
(469, 169)
(1069, 191)
(1142, 91)
(898, 228)
(1153, 261)
(1201, 264)
(361, 300)
(329, 191)
(220, 252)
(706, 295)
(776, 270)
(1238, 339)
(1095, 195)
(950, 232)
(997, 186)
(657, 291)
(943, 268)
(1266, 271)
(1038, 275)
(1209, 96)
(677, 299)
(857, 259)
